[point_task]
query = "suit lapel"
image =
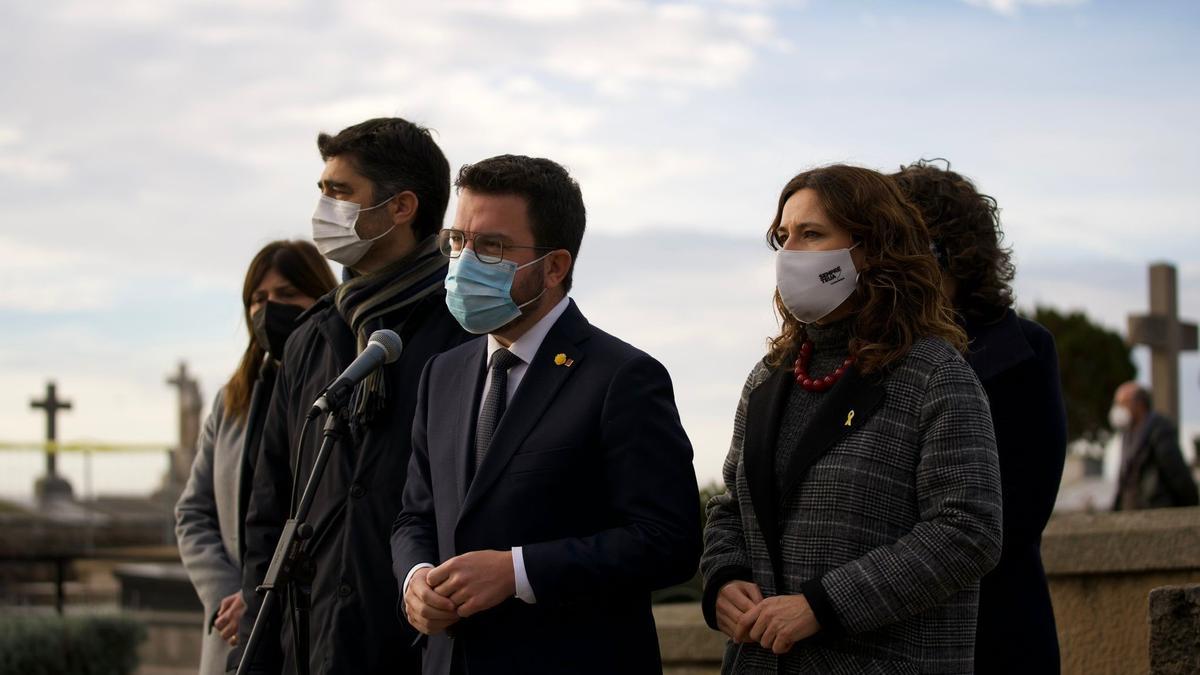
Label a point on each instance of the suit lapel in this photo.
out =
(469, 386)
(845, 408)
(541, 384)
(764, 412)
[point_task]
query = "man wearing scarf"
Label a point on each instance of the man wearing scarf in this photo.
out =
(384, 191)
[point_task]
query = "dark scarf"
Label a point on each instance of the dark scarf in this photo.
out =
(1134, 452)
(386, 299)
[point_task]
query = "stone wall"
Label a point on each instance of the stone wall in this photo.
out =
(1102, 568)
(1175, 630)
(689, 646)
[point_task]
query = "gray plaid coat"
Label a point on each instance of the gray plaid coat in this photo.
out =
(890, 516)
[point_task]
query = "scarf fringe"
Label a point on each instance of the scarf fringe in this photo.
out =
(385, 299)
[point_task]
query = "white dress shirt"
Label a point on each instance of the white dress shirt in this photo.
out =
(524, 348)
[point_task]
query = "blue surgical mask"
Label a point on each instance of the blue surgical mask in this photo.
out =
(479, 294)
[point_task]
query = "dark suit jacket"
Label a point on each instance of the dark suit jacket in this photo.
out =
(589, 471)
(1016, 361)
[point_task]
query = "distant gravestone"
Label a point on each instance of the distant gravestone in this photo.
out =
(51, 486)
(1166, 335)
(190, 406)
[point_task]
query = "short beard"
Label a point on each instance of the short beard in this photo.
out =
(528, 290)
(378, 220)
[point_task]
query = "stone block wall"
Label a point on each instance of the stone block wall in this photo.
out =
(688, 645)
(1175, 630)
(1102, 569)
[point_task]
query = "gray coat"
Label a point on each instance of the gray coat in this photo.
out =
(890, 515)
(206, 524)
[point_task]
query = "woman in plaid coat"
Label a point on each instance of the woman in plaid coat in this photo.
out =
(862, 499)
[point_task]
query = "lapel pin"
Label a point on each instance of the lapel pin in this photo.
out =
(849, 418)
(562, 360)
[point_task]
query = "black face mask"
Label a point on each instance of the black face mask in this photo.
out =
(273, 324)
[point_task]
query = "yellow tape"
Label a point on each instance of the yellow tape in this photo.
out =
(85, 446)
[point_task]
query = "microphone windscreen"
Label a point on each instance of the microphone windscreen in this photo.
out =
(390, 341)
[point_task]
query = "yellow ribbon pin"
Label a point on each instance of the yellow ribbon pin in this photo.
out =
(560, 359)
(849, 418)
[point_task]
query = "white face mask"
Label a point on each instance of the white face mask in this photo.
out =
(1119, 417)
(814, 283)
(333, 230)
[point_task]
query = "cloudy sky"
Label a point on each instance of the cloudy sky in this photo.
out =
(149, 147)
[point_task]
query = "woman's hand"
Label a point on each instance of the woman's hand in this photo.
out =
(228, 615)
(778, 623)
(733, 600)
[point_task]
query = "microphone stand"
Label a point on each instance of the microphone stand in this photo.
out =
(288, 556)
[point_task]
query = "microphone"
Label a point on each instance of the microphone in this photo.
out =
(384, 346)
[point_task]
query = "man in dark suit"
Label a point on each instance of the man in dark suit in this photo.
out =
(550, 488)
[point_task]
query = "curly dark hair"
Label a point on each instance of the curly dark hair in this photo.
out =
(898, 299)
(968, 241)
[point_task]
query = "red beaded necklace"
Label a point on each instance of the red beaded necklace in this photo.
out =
(817, 384)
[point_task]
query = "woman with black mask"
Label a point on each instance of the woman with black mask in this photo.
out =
(285, 278)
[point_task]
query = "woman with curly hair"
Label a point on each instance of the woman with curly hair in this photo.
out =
(1015, 360)
(862, 499)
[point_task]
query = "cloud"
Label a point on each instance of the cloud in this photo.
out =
(613, 48)
(1013, 7)
(193, 126)
(150, 148)
(49, 279)
(20, 162)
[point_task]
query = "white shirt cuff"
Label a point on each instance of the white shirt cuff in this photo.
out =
(524, 590)
(408, 578)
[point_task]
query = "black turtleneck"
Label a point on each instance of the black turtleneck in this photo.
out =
(831, 344)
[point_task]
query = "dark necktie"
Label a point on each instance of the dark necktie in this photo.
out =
(493, 402)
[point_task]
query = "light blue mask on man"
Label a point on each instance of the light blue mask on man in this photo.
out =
(479, 294)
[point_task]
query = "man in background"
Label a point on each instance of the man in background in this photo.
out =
(1153, 472)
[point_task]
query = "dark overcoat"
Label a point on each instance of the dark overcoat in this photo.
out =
(1016, 361)
(353, 627)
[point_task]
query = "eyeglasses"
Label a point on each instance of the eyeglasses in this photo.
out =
(489, 248)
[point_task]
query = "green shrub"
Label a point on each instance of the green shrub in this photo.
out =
(53, 645)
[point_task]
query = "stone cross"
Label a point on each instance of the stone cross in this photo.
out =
(51, 484)
(190, 406)
(1166, 335)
